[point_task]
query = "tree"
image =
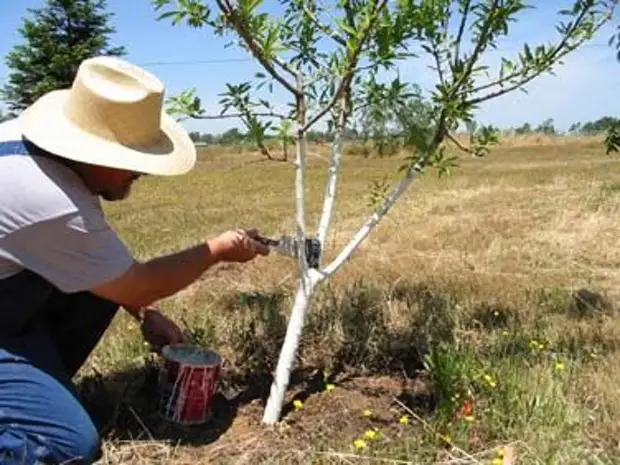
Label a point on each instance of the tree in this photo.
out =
(526, 128)
(392, 114)
(546, 127)
(58, 37)
(335, 61)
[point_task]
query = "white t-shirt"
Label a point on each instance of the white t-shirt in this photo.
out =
(51, 224)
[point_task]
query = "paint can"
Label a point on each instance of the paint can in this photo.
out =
(187, 381)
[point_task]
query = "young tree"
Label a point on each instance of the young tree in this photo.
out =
(334, 62)
(58, 37)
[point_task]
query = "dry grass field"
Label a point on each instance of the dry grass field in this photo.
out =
(477, 324)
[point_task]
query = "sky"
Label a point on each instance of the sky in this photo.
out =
(183, 58)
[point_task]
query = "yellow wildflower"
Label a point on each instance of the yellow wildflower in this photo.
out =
(367, 413)
(359, 444)
(559, 366)
(370, 434)
(404, 420)
(329, 387)
(497, 461)
(490, 381)
(298, 404)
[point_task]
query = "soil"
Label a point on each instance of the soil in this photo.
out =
(329, 419)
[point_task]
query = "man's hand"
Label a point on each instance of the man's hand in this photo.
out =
(237, 246)
(160, 331)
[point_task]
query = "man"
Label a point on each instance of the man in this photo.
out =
(63, 270)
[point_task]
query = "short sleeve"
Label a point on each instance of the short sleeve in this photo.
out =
(71, 251)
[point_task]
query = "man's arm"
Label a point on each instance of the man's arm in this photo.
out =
(77, 253)
(145, 283)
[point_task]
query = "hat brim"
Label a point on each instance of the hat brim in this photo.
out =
(45, 124)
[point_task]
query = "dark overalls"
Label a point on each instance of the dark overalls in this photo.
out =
(45, 337)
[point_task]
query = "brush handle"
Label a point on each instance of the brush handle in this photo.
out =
(267, 241)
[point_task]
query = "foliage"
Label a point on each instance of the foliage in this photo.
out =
(340, 82)
(58, 37)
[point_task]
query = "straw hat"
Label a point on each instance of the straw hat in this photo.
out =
(111, 116)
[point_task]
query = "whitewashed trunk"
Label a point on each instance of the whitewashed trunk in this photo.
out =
(303, 299)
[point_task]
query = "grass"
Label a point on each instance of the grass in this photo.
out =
(479, 317)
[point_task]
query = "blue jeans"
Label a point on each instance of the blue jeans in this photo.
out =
(45, 336)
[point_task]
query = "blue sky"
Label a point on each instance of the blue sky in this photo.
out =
(182, 57)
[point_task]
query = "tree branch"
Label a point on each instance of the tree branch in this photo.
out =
(459, 35)
(435, 53)
(326, 29)
(457, 143)
(478, 49)
(255, 48)
(335, 159)
(554, 55)
(350, 71)
(300, 176)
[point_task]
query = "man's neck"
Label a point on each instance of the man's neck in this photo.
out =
(74, 166)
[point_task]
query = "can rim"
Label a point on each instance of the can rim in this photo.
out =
(166, 353)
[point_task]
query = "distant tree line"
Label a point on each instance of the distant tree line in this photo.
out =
(236, 136)
(546, 127)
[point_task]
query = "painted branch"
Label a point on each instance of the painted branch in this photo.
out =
(335, 159)
(303, 299)
(372, 221)
(300, 175)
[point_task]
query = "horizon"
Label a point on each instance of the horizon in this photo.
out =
(184, 58)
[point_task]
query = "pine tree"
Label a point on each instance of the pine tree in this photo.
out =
(58, 37)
